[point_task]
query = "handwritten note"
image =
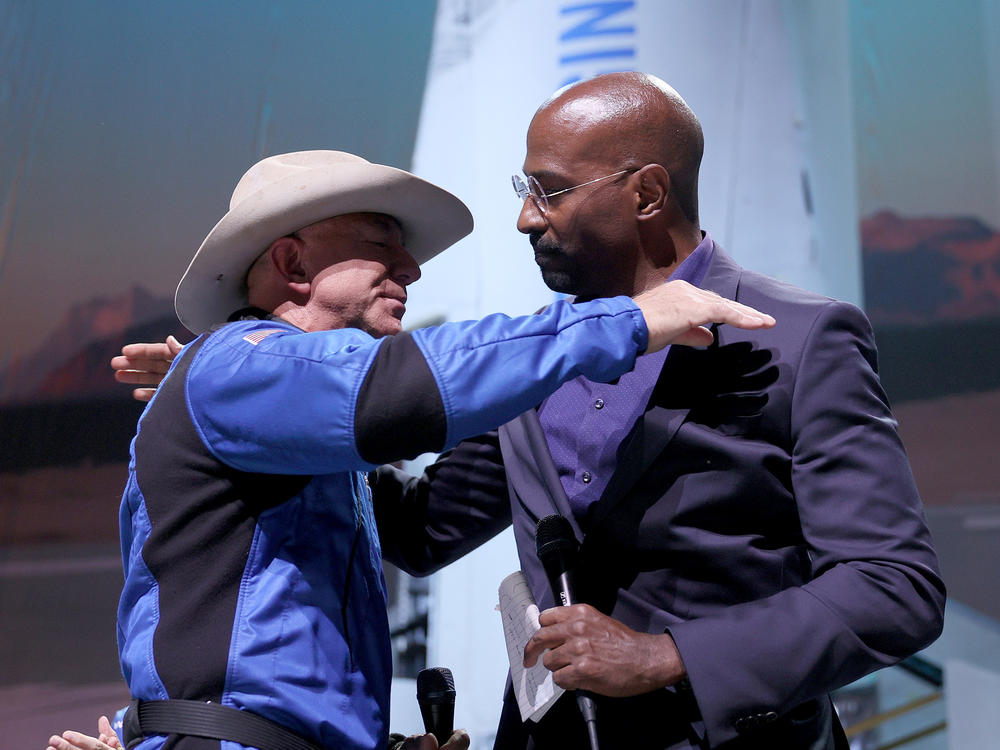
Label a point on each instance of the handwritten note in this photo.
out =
(535, 689)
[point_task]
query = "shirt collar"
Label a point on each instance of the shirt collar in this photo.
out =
(692, 269)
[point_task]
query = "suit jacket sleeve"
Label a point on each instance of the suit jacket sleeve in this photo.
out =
(875, 595)
(459, 502)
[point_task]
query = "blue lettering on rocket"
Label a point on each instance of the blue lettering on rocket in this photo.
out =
(597, 37)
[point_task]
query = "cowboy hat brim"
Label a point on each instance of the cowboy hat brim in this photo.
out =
(213, 287)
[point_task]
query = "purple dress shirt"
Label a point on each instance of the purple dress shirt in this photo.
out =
(585, 422)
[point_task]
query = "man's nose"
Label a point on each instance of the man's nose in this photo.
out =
(405, 268)
(531, 219)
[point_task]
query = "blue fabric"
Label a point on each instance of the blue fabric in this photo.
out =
(265, 397)
(254, 423)
(466, 359)
(586, 421)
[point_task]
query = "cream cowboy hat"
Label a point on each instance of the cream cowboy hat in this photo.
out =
(281, 194)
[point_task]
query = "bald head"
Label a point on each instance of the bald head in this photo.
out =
(632, 119)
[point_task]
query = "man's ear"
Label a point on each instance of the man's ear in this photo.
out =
(652, 190)
(287, 257)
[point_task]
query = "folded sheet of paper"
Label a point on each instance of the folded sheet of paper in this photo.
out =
(535, 689)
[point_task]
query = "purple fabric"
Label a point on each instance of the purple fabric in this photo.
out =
(585, 422)
(765, 516)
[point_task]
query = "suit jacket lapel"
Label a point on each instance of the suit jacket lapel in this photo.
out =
(655, 429)
(533, 476)
(723, 275)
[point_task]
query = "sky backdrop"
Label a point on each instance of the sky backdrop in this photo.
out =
(126, 125)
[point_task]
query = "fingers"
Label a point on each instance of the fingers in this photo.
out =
(552, 634)
(459, 740)
(153, 357)
(568, 660)
(106, 734)
(76, 741)
(135, 377)
(84, 741)
(677, 312)
(138, 377)
(145, 364)
(420, 742)
(697, 336)
(551, 647)
(708, 307)
(558, 615)
(586, 649)
(739, 315)
(160, 350)
(534, 648)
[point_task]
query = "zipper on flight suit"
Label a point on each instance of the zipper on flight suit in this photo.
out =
(359, 527)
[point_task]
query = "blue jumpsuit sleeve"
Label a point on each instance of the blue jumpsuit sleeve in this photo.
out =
(491, 370)
(269, 398)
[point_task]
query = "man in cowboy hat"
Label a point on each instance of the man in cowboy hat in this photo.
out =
(252, 565)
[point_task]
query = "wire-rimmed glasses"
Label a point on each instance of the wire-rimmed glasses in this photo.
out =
(530, 188)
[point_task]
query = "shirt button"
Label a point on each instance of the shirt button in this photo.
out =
(599, 404)
(586, 477)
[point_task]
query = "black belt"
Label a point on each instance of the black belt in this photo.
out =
(211, 720)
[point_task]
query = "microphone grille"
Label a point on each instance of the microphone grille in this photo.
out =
(552, 533)
(435, 680)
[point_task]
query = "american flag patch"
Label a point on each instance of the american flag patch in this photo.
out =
(257, 336)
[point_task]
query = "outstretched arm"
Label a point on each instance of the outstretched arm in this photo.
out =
(376, 401)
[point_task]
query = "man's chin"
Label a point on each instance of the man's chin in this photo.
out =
(388, 326)
(558, 281)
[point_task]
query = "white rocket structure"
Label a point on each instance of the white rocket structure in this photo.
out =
(769, 80)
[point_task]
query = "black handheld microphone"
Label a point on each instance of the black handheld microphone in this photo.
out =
(436, 696)
(557, 548)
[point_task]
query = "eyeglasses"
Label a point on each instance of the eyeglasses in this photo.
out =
(530, 188)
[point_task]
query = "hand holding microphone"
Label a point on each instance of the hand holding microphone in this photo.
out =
(436, 696)
(459, 740)
(586, 649)
(557, 548)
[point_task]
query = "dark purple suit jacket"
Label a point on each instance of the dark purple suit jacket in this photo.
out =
(763, 512)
